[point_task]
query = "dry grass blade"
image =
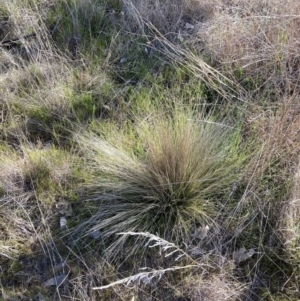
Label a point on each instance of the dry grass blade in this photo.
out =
(213, 78)
(162, 243)
(144, 277)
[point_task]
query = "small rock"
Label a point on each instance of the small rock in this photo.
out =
(242, 255)
(179, 36)
(59, 266)
(55, 281)
(41, 297)
(145, 279)
(96, 234)
(64, 208)
(63, 222)
(200, 232)
(189, 26)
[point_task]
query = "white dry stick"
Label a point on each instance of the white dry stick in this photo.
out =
(55, 281)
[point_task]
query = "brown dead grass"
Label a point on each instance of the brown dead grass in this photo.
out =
(259, 41)
(166, 16)
(290, 221)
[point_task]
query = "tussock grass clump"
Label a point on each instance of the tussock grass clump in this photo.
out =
(177, 174)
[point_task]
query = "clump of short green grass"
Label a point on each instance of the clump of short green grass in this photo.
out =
(41, 169)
